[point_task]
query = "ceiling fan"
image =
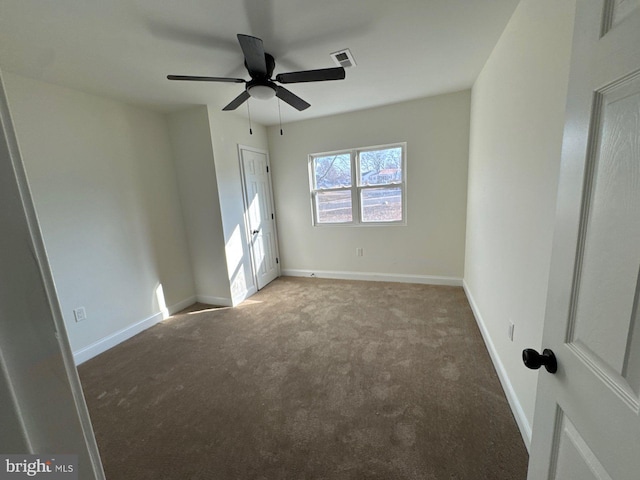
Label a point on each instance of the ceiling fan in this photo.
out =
(260, 66)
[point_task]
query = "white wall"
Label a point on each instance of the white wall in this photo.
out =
(104, 187)
(228, 130)
(436, 130)
(517, 117)
(197, 180)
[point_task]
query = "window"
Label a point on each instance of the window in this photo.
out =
(364, 186)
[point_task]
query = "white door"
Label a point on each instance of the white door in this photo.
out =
(260, 215)
(587, 422)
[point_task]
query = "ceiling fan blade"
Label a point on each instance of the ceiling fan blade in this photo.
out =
(253, 51)
(290, 98)
(319, 75)
(236, 102)
(205, 79)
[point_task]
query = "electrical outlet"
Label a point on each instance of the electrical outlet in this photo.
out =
(80, 313)
(510, 330)
(359, 251)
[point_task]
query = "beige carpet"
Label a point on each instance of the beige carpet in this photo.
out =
(308, 379)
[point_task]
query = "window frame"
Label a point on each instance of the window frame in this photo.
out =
(356, 188)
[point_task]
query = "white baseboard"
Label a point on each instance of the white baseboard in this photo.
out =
(514, 403)
(110, 341)
(375, 277)
(176, 307)
(218, 301)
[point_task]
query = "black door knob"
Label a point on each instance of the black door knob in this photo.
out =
(255, 232)
(534, 360)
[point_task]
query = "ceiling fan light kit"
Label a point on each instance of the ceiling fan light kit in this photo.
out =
(262, 86)
(262, 92)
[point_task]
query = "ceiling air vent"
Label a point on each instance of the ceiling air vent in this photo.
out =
(344, 58)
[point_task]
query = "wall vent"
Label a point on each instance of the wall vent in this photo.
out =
(344, 58)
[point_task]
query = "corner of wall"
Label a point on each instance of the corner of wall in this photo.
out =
(193, 150)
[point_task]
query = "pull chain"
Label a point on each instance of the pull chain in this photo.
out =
(280, 116)
(249, 111)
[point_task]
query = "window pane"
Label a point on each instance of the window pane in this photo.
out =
(381, 204)
(334, 207)
(379, 167)
(332, 171)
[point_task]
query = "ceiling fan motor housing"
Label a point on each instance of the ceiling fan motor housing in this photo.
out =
(271, 65)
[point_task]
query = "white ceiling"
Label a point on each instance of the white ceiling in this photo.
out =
(124, 49)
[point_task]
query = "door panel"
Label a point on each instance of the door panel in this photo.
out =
(587, 422)
(607, 277)
(621, 9)
(575, 460)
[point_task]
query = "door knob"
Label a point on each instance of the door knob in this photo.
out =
(255, 232)
(534, 360)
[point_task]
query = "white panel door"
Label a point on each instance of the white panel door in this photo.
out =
(587, 422)
(260, 216)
